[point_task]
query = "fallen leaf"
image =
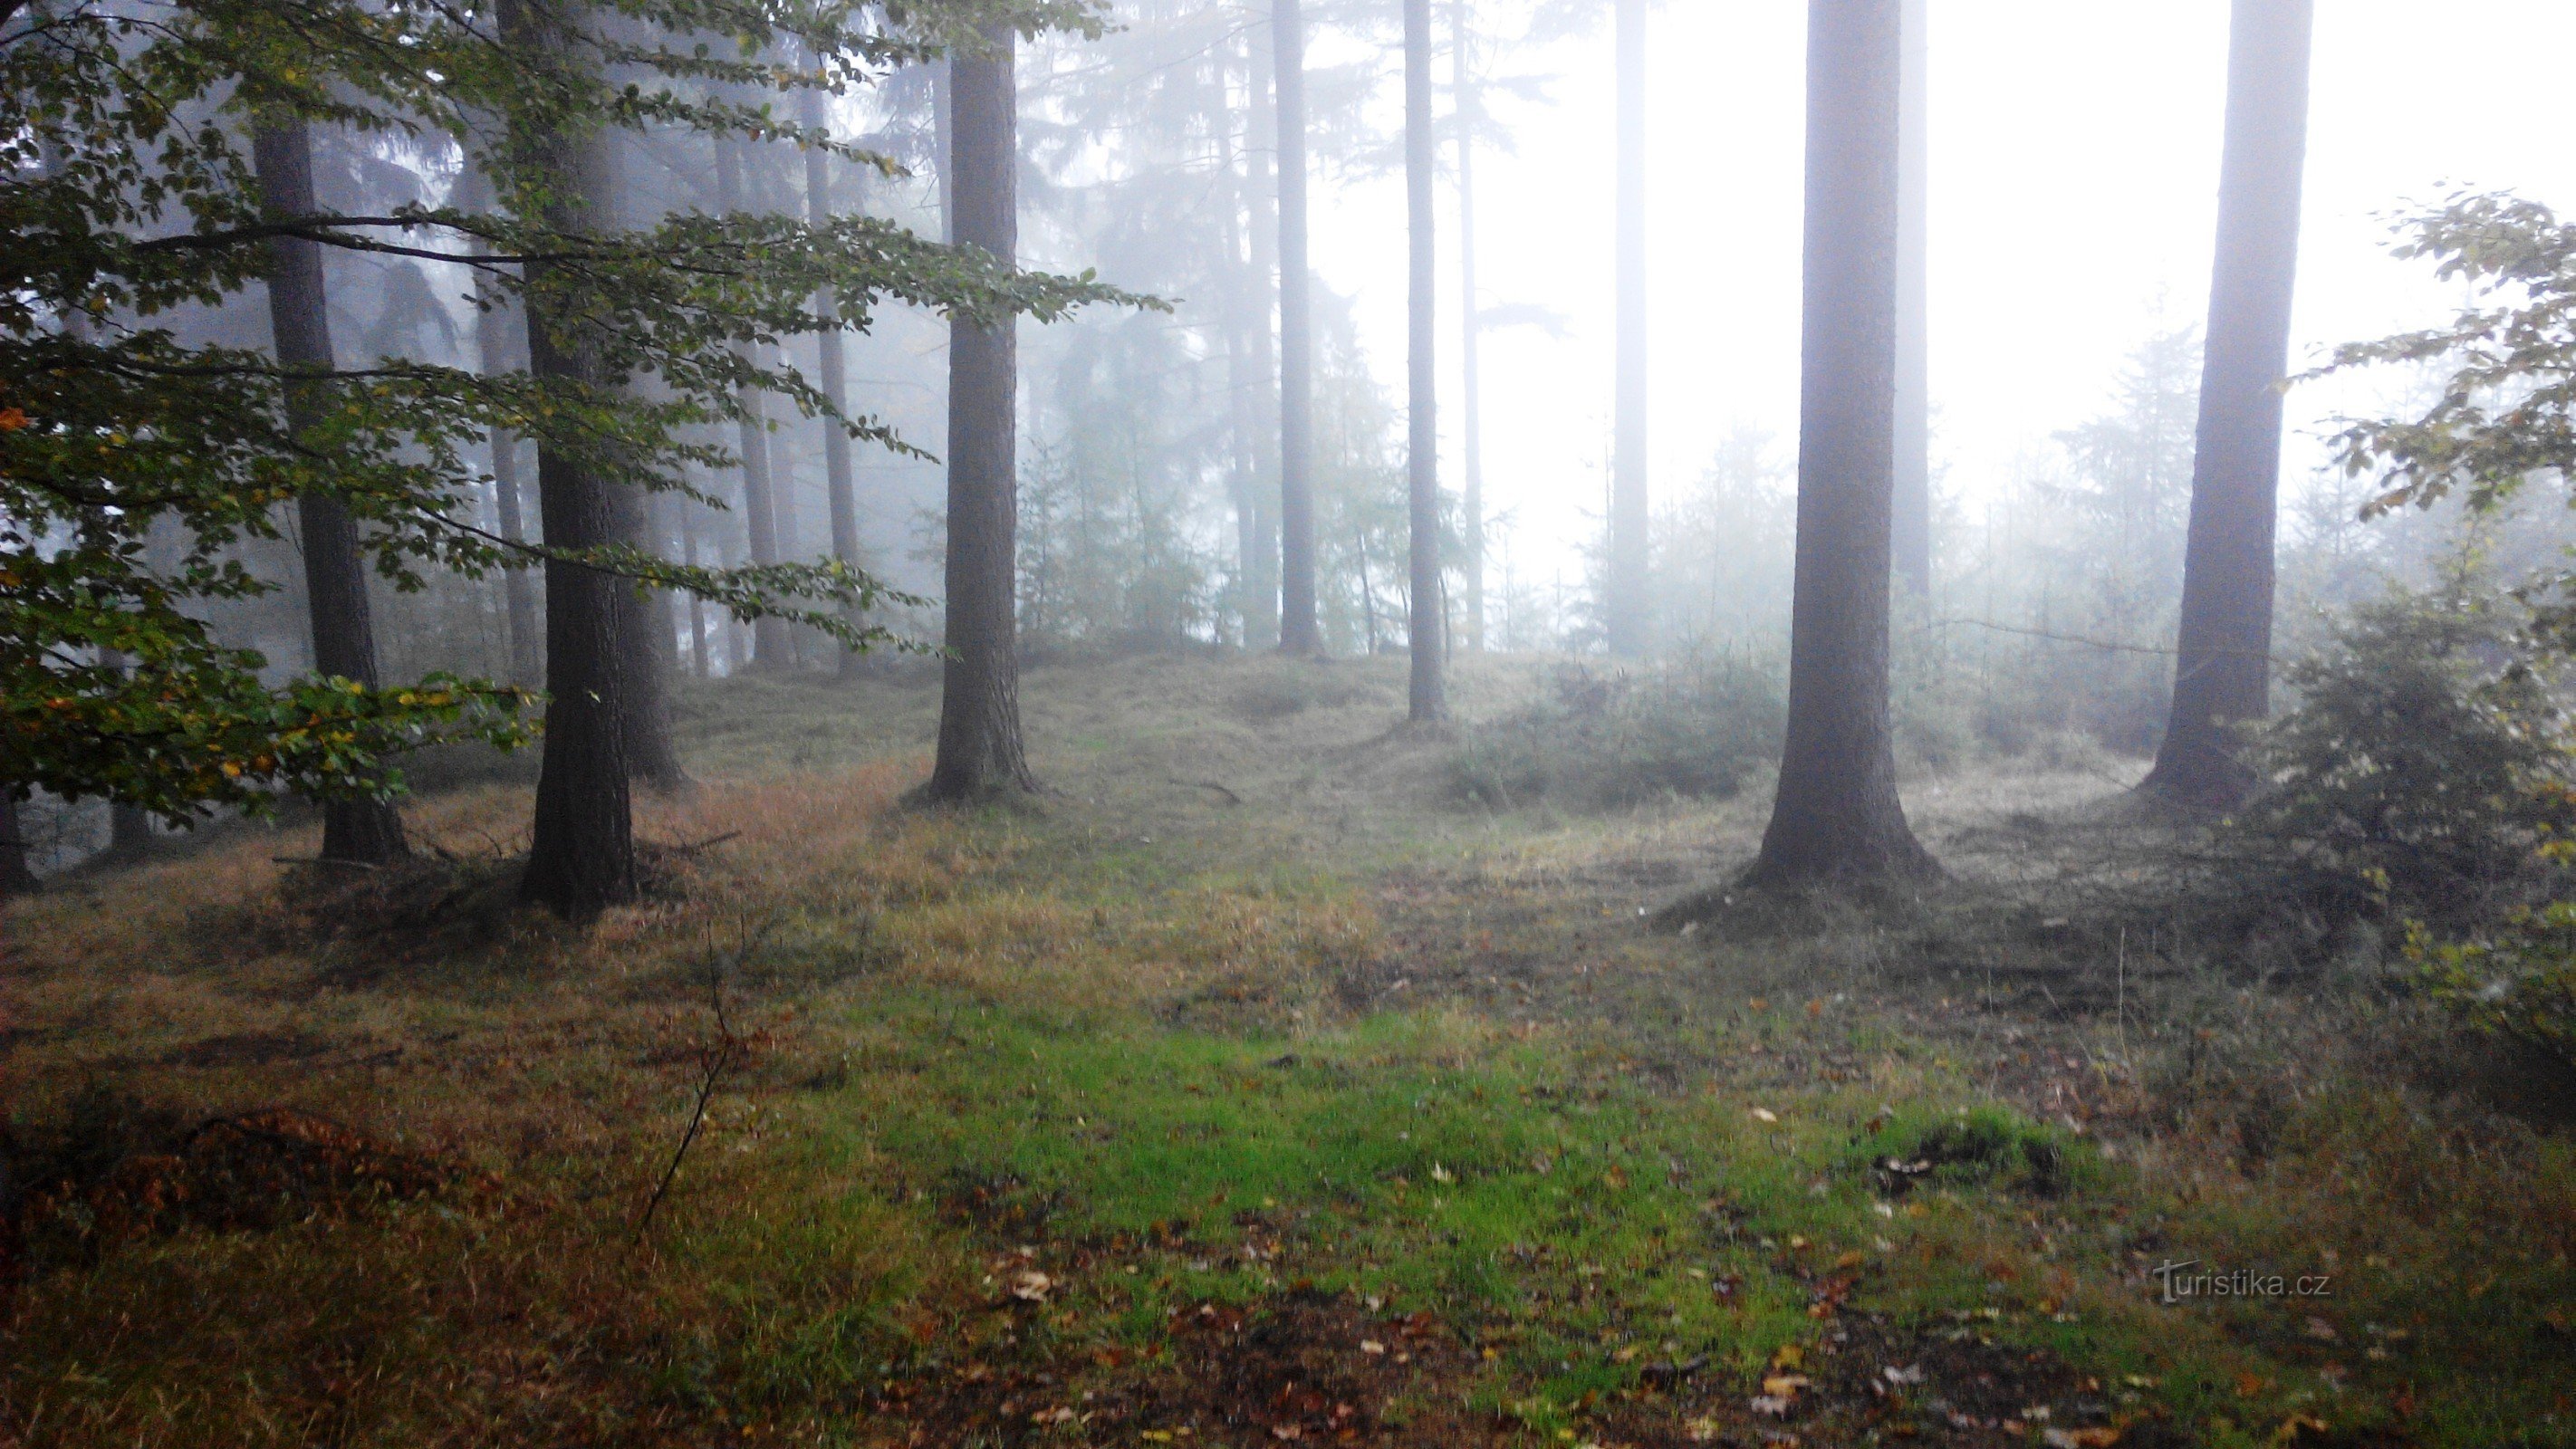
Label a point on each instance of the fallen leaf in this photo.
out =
(1287, 1431)
(1371, 1345)
(1895, 1375)
(1627, 1354)
(1442, 1174)
(1702, 1430)
(1790, 1356)
(1765, 1114)
(2100, 1438)
(1766, 1404)
(2249, 1383)
(1784, 1386)
(1851, 1260)
(1032, 1286)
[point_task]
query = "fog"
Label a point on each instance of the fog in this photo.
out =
(2074, 176)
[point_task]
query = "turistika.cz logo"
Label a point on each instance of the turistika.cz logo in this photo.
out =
(2181, 1283)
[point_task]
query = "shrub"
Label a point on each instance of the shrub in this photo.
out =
(1696, 728)
(2424, 766)
(2517, 981)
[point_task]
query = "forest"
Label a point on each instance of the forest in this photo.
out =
(1580, 724)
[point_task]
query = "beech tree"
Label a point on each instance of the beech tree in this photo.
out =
(130, 195)
(2223, 658)
(1837, 815)
(365, 829)
(831, 368)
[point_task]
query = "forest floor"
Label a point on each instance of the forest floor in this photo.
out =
(1246, 1089)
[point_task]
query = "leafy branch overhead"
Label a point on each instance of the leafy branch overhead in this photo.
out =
(138, 459)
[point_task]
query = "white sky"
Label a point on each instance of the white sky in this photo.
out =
(2075, 153)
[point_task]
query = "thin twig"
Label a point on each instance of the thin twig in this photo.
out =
(717, 1062)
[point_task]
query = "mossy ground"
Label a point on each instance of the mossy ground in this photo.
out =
(1248, 1089)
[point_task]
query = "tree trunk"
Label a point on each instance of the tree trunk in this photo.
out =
(697, 606)
(833, 371)
(1243, 410)
(581, 859)
(772, 644)
(1629, 615)
(2222, 673)
(16, 878)
(366, 831)
(1299, 632)
(1262, 209)
(1471, 335)
(979, 709)
(1838, 815)
(644, 627)
(1912, 533)
(518, 582)
(1426, 632)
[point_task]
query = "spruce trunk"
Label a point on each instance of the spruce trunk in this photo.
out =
(2223, 666)
(1837, 815)
(1630, 612)
(1299, 630)
(979, 711)
(1426, 625)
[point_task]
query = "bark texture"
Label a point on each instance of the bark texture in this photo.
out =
(1629, 611)
(1299, 629)
(1838, 816)
(581, 859)
(1913, 520)
(979, 708)
(366, 831)
(2222, 668)
(1427, 630)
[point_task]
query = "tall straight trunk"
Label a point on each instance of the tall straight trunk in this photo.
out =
(581, 858)
(2222, 672)
(129, 830)
(1243, 412)
(773, 642)
(1912, 532)
(697, 606)
(1299, 631)
(364, 831)
(16, 877)
(1426, 625)
(1471, 335)
(1262, 208)
(644, 628)
(1838, 815)
(519, 602)
(943, 133)
(979, 708)
(833, 370)
(1629, 615)
(518, 582)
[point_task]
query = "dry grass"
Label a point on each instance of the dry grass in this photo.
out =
(962, 1034)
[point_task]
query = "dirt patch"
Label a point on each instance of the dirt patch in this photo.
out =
(113, 1173)
(1872, 1381)
(1301, 1367)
